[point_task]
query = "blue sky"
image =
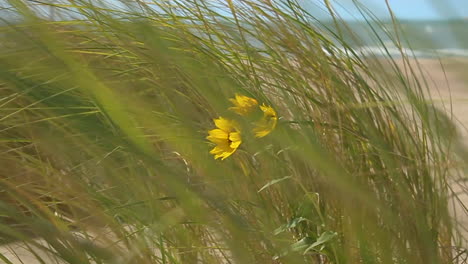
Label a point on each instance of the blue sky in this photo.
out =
(404, 9)
(410, 9)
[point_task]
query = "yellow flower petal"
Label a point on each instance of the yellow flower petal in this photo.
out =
(218, 133)
(217, 141)
(245, 100)
(267, 123)
(227, 138)
(235, 139)
(226, 154)
(234, 136)
(268, 111)
(222, 152)
(242, 104)
(235, 144)
(220, 149)
(259, 133)
(224, 124)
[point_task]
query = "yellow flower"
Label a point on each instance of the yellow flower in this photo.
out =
(242, 104)
(267, 123)
(226, 136)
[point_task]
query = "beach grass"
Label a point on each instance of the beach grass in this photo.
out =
(105, 109)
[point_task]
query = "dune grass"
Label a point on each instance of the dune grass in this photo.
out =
(105, 110)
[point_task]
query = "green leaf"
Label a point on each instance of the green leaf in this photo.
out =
(302, 244)
(308, 243)
(326, 236)
(298, 246)
(293, 223)
(273, 182)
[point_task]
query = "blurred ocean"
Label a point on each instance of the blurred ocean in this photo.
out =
(427, 53)
(428, 39)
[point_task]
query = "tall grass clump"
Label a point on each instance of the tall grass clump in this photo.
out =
(323, 155)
